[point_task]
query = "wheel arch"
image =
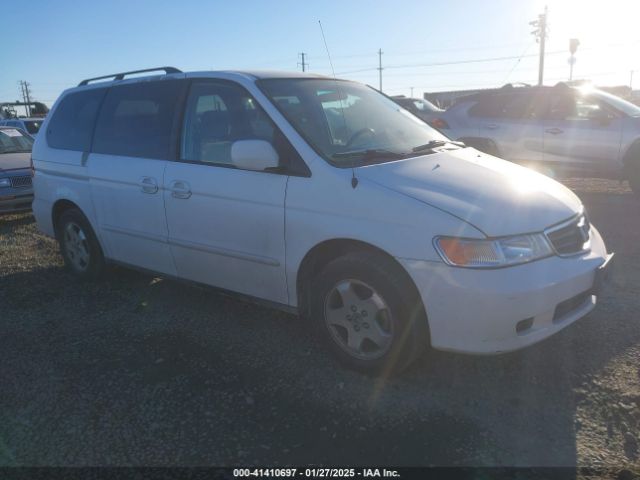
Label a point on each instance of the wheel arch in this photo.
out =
(326, 251)
(59, 207)
(630, 155)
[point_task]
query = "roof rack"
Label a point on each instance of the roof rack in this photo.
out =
(120, 76)
(515, 85)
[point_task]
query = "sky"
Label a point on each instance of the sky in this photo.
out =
(427, 45)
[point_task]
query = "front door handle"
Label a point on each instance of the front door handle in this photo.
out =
(148, 185)
(180, 189)
(554, 131)
(491, 126)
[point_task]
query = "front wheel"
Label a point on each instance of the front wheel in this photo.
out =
(369, 313)
(634, 178)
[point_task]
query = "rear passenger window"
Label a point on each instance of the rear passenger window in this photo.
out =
(517, 106)
(72, 123)
(136, 120)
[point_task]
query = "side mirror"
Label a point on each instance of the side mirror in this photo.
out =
(256, 155)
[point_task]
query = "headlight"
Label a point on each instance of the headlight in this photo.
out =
(499, 252)
(5, 182)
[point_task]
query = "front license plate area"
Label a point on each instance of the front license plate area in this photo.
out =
(602, 274)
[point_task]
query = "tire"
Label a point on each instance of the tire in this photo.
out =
(632, 167)
(634, 177)
(369, 313)
(79, 246)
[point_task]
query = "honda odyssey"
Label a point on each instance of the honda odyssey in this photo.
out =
(319, 196)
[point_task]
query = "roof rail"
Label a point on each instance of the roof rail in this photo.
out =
(515, 85)
(120, 76)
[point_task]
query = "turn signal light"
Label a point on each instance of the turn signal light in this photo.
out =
(439, 123)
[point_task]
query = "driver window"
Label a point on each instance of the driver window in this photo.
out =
(562, 107)
(575, 108)
(217, 115)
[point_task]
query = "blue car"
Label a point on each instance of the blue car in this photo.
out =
(16, 190)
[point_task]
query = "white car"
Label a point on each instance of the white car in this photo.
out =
(319, 196)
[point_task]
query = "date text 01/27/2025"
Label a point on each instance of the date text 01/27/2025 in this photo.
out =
(315, 472)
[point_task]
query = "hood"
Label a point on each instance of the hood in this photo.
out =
(13, 161)
(496, 196)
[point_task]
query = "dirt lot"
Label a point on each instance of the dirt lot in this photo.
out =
(142, 371)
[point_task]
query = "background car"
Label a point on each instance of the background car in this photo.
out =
(29, 125)
(578, 131)
(16, 191)
(423, 109)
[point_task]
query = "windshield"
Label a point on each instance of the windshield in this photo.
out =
(346, 121)
(33, 126)
(13, 140)
(425, 106)
(618, 103)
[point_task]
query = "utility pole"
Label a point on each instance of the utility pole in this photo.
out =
(411, 92)
(303, 64)
(541, 35)
(573, 47)
(380, 67)
(26, 96)
(631, 81)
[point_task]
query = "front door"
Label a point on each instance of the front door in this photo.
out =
(582, 135)
(225, 225)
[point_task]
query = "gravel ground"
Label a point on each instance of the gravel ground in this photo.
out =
(138, 370)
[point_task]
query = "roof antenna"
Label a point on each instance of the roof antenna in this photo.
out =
(354, 180)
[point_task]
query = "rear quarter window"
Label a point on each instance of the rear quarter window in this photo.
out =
(137, 119)
(72, 122)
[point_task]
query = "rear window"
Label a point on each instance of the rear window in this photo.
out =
(136, 120)
(71, 125)
(13, 141)
(517, 106)
(489, 106)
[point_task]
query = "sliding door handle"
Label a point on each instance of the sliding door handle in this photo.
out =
(148, 185)
(180, 189)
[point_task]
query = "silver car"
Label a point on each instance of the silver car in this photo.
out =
(29, 125)
(562, 130)
(421, 108)
(16, 192)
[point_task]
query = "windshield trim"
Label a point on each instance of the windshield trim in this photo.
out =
(615, 102)
(343, 165)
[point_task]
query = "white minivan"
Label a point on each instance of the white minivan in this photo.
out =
(319, 196)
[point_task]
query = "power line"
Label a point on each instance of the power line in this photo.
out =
(455, 62)
(516, 64)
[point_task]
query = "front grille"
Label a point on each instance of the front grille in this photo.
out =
(21, 182)
(570, 238)
(568, 306)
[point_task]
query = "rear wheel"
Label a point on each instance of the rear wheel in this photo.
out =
(79, 246)
(369, 313)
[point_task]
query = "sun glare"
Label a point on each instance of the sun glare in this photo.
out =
(608, 35)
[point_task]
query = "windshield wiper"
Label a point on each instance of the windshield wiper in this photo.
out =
(436, 144)
(370, 154)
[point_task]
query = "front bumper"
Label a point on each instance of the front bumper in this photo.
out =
(500, 310)
(13, 200)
